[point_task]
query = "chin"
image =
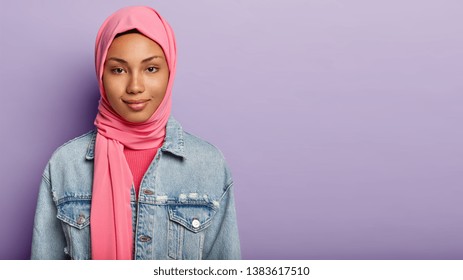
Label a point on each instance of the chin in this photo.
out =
(133, 119)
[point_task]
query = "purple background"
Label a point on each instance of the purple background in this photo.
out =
(341, 120)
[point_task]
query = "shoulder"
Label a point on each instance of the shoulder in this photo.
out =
(75, 148)
(196, 146)
(207, 159)
(195, 157)
(189, 146)
(69, 170)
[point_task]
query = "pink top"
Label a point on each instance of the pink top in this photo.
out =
(139, 161)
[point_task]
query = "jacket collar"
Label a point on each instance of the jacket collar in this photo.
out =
(173, 142)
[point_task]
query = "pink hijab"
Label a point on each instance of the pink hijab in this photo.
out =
(111, 214)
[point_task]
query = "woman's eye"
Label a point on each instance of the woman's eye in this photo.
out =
(151, 69)
(117, 70)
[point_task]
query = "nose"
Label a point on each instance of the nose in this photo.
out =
(136, 84)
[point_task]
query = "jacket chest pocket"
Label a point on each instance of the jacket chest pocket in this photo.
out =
(75, 219)
(187, 227)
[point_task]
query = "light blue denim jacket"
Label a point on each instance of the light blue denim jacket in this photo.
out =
(185, 208)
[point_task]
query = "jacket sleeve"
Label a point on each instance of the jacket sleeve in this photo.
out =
(48, 241)
(222, 239)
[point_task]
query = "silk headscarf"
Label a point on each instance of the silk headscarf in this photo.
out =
(111, 215)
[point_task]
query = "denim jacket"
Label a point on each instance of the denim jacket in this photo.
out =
(185, 207)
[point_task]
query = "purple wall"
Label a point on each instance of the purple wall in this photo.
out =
(341, 120)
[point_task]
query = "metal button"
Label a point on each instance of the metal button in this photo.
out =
(195, 223)
(148, 192)
(144, 238)
(81, 219)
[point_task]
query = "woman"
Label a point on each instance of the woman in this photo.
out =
(138, 187)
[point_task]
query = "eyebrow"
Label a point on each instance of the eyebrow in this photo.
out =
(143, 61)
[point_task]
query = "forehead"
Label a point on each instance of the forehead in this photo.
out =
(134, 45)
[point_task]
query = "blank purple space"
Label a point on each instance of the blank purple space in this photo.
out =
(340, 120)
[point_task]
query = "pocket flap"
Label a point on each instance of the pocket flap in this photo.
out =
(75, 213)
(194, 217)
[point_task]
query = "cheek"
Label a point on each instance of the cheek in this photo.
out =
(159, 86)
(112, 95)
(158, 89)
(111, 88)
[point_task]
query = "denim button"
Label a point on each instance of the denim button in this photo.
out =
(144, 238)
(81, 219)
(195, 223)
(148, 192)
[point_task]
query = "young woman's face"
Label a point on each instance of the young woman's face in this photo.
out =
(135, 76)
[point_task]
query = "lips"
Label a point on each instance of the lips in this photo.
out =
(136, 105)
